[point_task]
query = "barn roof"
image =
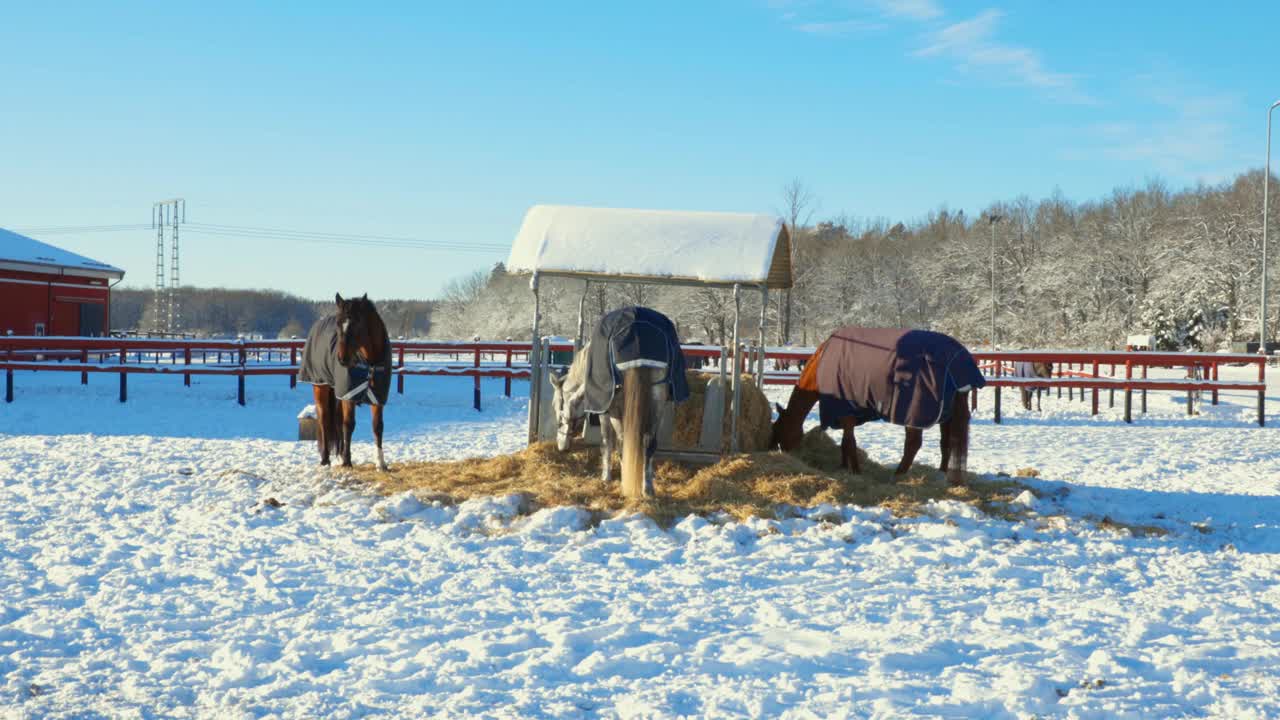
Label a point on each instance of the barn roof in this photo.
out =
(19, 252)
(696, 248)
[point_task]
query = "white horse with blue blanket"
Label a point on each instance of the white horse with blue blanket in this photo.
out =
(635, 349)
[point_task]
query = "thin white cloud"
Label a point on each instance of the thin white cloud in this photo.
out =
(1195, 135)
(920, 10)
(971, 44)
(838, 27)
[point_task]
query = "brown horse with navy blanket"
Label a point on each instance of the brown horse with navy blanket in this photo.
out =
(913, 378)
(347, 359)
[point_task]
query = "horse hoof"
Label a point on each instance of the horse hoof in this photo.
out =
(382, 467)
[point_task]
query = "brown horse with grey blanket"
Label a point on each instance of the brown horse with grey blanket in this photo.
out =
(347, 360)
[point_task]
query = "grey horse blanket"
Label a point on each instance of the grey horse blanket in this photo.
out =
(1026, 369)
(632, 337)
(320, 366)
(907, 377)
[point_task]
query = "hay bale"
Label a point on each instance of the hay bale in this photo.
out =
(753, 426)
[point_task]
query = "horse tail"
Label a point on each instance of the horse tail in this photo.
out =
(637, 427)
(958, 438)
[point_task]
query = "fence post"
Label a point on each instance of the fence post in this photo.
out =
(1095, 388)
(1262, 394)
(1215, 379)
(8, 385)
(1193, 372)
(506, 386)
(400, 375)
(1128, 391)
(124, 383)
(186, 359)
(1144, 391)
(293, 360)
(1111, 392)
(84, 360)
(996, 406)
(477, 366)
(240, 374)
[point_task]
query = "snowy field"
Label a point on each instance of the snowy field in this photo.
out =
(145, 574)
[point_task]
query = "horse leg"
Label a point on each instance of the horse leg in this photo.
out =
(659, 424)
(944, 443)
(910, 447)
(375, 418)
(650, 447)
(849, 448)
(320, 397)
(610, 430)
(1026, 399)
(348, 427)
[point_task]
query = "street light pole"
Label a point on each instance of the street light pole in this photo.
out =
(993, 219)
(1266, 183)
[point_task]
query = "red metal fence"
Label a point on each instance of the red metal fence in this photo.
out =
(1082, 371)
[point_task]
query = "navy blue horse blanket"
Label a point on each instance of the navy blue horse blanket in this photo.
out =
(320, 366)
(632, 337)
(907, 377)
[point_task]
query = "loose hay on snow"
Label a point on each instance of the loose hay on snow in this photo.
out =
(744, 485)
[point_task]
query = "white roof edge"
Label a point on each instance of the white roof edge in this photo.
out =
(19, 252)
(706, 247)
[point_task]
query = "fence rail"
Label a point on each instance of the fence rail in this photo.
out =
(1074, 371)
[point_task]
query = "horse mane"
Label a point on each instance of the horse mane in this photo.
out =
(575, 380)
(377, 330)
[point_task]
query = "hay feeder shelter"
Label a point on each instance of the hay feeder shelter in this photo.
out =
(699, 249)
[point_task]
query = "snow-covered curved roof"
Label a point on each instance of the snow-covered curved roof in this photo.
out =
(703, 248)
(19, 252)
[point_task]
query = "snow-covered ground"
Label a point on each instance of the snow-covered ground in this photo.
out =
(144, 574)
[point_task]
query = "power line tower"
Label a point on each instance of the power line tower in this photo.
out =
(167, 302)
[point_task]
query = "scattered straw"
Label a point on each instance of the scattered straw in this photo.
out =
(745, 485)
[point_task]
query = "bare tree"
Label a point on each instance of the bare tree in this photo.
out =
(798, 205)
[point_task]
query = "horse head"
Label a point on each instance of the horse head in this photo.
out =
(569, 400)
(785, 434)
(361, 334)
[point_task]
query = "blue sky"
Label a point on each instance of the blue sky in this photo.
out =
(444, 121)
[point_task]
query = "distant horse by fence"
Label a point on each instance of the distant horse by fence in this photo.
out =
(1026, 369)
(912, 378)
(347, 359)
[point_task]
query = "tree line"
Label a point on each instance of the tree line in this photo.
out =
(223, 312)
(1181, 265)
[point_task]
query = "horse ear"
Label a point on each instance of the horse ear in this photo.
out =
(557, 379)
(365, 297)
(337, 299)
(780, 409)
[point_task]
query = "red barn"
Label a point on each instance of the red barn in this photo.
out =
(46, 290)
